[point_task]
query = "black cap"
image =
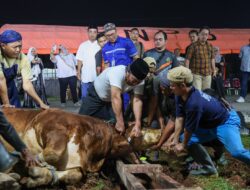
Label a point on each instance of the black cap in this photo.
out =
(139, 68)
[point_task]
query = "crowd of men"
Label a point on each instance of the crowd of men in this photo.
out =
(121, 82)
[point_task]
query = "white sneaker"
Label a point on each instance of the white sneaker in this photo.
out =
(77, 104)
(240, 100)
(63, 105)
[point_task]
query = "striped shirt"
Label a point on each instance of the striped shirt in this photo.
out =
(200, 57)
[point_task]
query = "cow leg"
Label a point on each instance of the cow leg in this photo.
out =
(43, 176)
(55, 148)
(71, 176)
(38, 176)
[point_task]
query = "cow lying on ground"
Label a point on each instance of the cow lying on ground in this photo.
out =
(72, 143)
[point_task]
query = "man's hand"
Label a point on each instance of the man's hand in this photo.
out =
(44, 106)
(120, 127)
(136, 131)
(30, 160)
(7, 106)
(78, 76)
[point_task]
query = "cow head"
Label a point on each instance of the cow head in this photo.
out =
(121, 145)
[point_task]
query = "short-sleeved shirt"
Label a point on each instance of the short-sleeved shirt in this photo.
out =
(140, 49)
(245, 58)
(24, 67)
(66, 65)
(200, 110)
(200, 57)
(119, 53)
(114, 76)
(86, 53)
(167, 59)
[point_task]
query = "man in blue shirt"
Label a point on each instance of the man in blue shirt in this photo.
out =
(118, 50)
(203, 117)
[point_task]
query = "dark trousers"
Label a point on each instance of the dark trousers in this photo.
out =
(244, 80)
(64, 82)
(92, 105)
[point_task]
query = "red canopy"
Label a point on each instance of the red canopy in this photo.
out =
(43, 37)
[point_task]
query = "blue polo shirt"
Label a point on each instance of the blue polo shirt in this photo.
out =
(119, 53)
(200, 110)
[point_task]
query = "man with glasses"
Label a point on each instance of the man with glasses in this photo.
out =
(118, 50)
(12, 63)
(105, 94)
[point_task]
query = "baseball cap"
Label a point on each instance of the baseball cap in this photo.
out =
(180, 74)
(109, 26)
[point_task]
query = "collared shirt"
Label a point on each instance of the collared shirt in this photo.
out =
(23, 63)
(200, 57)
(200, 110)
(245, 58)
(119, 53)
(86, 53)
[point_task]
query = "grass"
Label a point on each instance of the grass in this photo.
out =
(220, 183)
(211, 183)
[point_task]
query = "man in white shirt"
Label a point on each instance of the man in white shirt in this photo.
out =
(107, 89)
(86, 63)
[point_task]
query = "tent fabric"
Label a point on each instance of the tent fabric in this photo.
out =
(44, 36)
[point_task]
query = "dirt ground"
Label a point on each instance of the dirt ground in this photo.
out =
(235, 173)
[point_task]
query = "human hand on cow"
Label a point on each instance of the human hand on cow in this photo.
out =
(44, 106)
(30, 160)
(120, 127)
(7, 106)
(136, 131)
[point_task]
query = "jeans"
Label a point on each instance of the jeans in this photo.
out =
(228, 134)
(244, 80)
(85, 87)
(64, 82)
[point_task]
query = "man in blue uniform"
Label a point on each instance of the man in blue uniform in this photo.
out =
(203, 118)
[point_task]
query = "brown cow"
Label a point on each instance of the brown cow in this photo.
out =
(74, 144)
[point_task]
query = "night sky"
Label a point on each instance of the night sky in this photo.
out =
(174, 13)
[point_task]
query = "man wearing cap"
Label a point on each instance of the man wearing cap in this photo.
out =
(13, 62)
(203, 118)
(118, 50)
(107, 89)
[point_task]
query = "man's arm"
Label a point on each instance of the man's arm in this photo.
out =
(137, 109)
(117, 108)
(179, 121)
(4, 91)
(152, 109)
(79, 68)
(187, 62)
(213, 67)
(166, 133)
(28, 87)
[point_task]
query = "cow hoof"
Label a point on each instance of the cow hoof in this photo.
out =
(38, 176)
(8, 182)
